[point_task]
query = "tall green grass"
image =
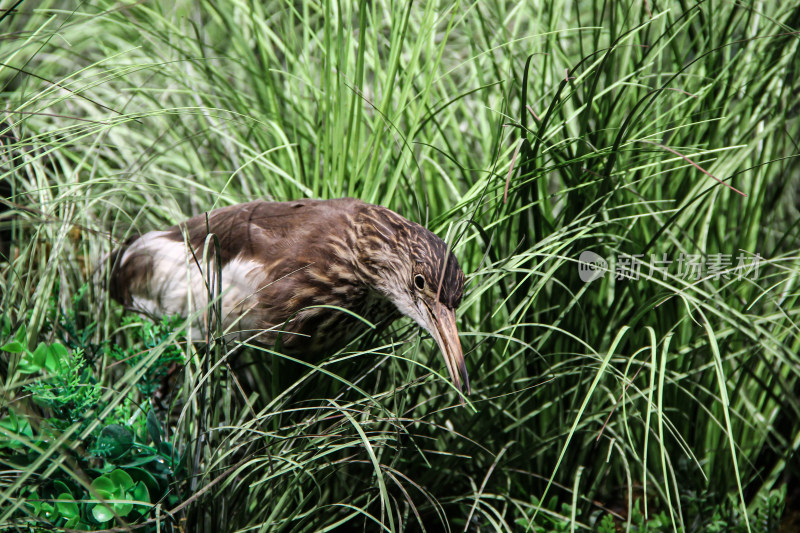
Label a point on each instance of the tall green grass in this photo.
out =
(524, 133)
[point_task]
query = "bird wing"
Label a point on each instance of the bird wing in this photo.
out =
(271, 257)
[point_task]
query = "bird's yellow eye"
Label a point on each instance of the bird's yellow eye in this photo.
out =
(419, 281)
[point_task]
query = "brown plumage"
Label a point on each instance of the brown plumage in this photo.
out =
(280, 261)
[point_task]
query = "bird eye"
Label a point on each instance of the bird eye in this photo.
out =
(419, 281)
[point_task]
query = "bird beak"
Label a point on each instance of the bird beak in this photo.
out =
(442, 326)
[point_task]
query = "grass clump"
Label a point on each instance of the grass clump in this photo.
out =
(660, 136)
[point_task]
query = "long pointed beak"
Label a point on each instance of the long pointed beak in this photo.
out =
(442, 326)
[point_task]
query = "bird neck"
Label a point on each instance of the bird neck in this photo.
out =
(381, 249)
(383, 256)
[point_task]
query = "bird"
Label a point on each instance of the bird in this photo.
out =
(302, 271)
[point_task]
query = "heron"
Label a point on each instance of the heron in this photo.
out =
(303, 270)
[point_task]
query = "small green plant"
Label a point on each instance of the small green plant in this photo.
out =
(117, 485)
(70, 391)
(765, 514)
(652, 523)
(606, 524)
(119, 462)
(150, 335)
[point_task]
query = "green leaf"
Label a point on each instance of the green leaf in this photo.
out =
(141, 475)
(34, 503)
(18, 344)
(137, 461)
(12, 347)
(123, 509)
(56, 357)
(122, 480)
(26, 364)
(15, 424)
(62, 487)
(153, 428)
(48, 510)
(104, 486)
(114, 441)
(102, 513)
(165, 448)
(39, 355)
(69, 509)
(140, 493)
(33, 361)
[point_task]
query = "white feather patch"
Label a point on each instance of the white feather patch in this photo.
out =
(178, 287)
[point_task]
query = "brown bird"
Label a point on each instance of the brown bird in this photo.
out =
(283, 263)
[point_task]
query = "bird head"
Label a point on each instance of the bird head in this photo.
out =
(418, 273)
